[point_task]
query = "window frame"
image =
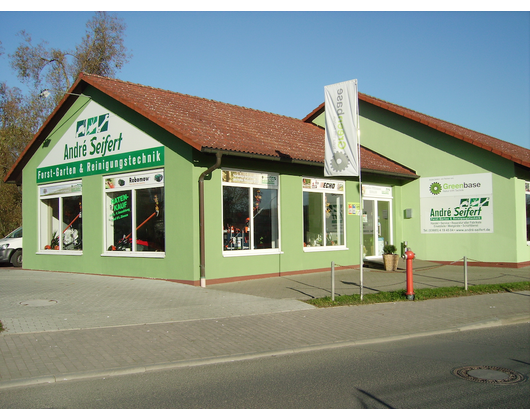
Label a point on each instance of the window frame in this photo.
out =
(323, 187)
(133, 188)
(44, 195)
(527, 210)
(250, 180)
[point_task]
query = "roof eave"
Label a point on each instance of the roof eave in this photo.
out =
(315, 113)
(397, 175)
(428, 121)
(284, 159)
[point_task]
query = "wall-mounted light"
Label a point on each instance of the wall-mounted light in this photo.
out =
(46, 92)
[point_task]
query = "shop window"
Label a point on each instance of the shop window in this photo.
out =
(527, 196)
(250, 211)
(323, 214)
(61, 221)
(527, 191)
(134, 214)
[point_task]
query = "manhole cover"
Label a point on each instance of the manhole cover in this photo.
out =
(38, 302)
(489, 375)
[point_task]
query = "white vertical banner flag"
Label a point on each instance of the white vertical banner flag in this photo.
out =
(342, 110)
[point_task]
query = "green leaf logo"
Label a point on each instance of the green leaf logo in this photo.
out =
(92, 125)
(435, 188)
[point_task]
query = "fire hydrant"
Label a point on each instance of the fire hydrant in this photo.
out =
(409, 256)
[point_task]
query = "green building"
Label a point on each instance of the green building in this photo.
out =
(129, 180)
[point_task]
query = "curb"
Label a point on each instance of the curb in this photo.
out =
(108, 373)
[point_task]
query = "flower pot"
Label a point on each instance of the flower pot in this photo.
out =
(390, 262)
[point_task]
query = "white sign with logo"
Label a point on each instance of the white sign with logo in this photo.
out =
(323, 185)
(457, 204)
(99, 142)
(245, 178)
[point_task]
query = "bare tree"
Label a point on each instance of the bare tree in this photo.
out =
(101, 51)
(13, 135)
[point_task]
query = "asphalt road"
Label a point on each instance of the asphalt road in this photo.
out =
(408, 374)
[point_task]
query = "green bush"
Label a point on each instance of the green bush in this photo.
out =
(389, 249)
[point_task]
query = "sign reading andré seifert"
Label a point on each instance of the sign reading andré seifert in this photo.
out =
(99, 142)
(457, 204)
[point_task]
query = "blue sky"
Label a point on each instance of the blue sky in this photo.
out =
(468, 68)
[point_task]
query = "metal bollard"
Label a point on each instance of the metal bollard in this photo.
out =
(409, 256)
(332, 280)
(465, 273)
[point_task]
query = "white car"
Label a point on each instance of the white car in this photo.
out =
(11, 248)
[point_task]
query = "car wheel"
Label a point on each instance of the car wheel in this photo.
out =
(16, 258)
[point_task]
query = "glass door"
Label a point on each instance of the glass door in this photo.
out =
(377, 226)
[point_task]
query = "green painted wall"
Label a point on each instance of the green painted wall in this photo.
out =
(292, 256)
(183, 167)
(30, 202)
(428, 152)
(431, 153)
(180, 202)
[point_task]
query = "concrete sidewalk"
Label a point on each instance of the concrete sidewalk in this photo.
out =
(102, 326)
(426, 274)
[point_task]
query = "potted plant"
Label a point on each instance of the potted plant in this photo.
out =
(54, 244)
(390, 258)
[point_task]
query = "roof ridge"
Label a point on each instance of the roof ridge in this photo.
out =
(223, 127)
(188, 95)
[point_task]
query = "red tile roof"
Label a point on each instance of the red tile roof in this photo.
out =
(502, 148)
(209, 125)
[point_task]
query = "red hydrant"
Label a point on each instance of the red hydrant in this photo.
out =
(409, 256)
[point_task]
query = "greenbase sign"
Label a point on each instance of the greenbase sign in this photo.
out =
(457, 204)
(99, 142)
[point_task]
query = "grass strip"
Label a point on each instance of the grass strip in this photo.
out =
(419, 294)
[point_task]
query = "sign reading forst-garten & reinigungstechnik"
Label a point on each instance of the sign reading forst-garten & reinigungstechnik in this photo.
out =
(99, 142)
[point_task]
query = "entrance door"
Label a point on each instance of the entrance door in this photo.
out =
(377, 226)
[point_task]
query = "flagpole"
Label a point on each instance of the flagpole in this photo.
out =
(361, 234)
(339, 155)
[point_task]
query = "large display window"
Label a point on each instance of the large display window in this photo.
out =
(134, 214)
(250, 212)
(324, 221)
(60, 217)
